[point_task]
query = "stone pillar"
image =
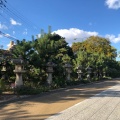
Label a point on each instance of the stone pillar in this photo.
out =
(18, 81)
(79, 72)
(3, 71)
(104, 74)
(50, 71)
(89, 73)
(68, 71)
(19, 70)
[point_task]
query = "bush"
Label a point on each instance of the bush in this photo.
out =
(28, 90)
(2, 84)
(85, 81)
(59, 82)
(24, 90)
(0, 91)
(73, 82)
(94, 79)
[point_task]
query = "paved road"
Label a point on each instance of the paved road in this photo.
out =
(103, 106)
(42, 107)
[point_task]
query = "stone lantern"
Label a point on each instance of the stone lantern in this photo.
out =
(19, 70)
(68, 70)
(3, 71)
(79, 72)
(95, 74)
(104, 74)
(50, 71)
(89, 73)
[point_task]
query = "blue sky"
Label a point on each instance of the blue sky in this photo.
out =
(69, 18)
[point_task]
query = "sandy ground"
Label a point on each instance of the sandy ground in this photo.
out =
(39, 108)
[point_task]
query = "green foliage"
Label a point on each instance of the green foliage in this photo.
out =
(59, 82)
(52, 47)
(84, 81)
(66, 58)
(2, 84)
(28, 90)
(76, 46)
(95, 52)
(38, 52)
(12, 79)
(0, 91)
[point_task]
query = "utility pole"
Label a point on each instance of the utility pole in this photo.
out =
(49, 29)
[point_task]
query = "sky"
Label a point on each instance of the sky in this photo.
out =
(75, 20)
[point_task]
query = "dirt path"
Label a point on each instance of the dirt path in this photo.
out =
(42, 107)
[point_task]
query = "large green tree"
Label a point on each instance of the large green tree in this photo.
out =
(38, 52)
(95, 51)
(52, 47)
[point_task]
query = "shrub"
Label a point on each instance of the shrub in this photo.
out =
(28, 90)
(0, 91)
(2, 84)
(85, 81)
(24, 90)
(73, 82)
(59, 82)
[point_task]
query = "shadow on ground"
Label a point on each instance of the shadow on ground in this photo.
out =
(22, 109)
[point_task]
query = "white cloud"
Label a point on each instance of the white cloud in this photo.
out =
(3, 27)
(113, 4)
(1, 36)
(13, 22)
(13, 32)
(75, 35)
(39, 35)
(7, 35)
(113, 38)
(25, 32)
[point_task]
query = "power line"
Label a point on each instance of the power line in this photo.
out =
(2, 6)
(9, 14)
(23, 17)
(2, 3)
(13, 15)
(8, 36)
(10, 11)
(13, 12)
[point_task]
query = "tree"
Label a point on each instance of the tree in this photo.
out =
(76, 46)
(23, 48)
(38, 52)
(52, 47)
(101, 46)
(95, 52)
